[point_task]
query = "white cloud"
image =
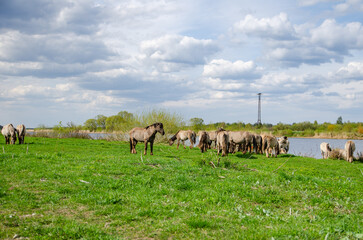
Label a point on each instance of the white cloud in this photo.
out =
(338, 37)
(354, 70)
(277, 27)
(171, 50)
(220, 68)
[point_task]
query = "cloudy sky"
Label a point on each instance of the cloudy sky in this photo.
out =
(70, 60)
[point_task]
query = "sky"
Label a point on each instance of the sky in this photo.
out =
(70, 60)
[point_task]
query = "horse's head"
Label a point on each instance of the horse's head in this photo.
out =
(159, 128)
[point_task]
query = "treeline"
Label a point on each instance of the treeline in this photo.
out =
(125, 121)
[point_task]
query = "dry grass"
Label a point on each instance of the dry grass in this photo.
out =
(336, 154)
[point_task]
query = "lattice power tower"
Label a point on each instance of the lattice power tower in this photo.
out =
(259, 109)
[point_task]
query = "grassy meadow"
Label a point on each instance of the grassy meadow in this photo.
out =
(95, 189)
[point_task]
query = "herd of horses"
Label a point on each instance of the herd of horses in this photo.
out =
(225, 141)
(11, 133)
(230, 142)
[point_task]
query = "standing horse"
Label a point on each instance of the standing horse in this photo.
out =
(222, 142)
(20, 130)
(258, 139)
(203, 141)
(212, 138)
(284, 144)
(349, 149)
(9, 133)
(145, 135)
(325, 150)
(271, 144)
(183, 135)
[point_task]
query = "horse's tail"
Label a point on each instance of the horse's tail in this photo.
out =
(130, 145)
(193, 137)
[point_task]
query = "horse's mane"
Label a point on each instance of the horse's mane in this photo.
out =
(174, 137)
(153, 125)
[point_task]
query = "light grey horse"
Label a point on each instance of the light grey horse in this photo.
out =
(9, 132)
(325, 150)
(183, 135)
(20, 130)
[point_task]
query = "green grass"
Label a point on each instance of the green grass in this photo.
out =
(95, 189)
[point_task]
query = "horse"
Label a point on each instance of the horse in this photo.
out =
(246, 141)
(9, 132)
(145, 135)
(349, 150)
(222, 142)
(325, 150)
(203, 141)
(258, 140)
(20, 130)
(284, 144)
(271, 144)
(212, 138)
(183, 135)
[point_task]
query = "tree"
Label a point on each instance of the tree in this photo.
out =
(196, 123)
(114, 123)
(101, 121)
(340, 120)
(91, 124)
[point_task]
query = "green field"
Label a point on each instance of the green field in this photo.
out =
(95, 189)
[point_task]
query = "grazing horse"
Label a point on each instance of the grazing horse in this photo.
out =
(349, 151)
(325, 150)
(145, 135)
(284, 144)
(203, 141)
(245, 140)
(20, 130)
(258, 148)
(183, 135)
(271, 144)
(222, 142)
(9, 133)
(212, 138)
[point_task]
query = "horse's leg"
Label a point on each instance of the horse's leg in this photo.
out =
(151, 147)
(183, 141)
(145, 148)
(191, 142)
(177, 145)
(134, 142)
(130, 146)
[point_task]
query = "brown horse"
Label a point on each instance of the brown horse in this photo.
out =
(9, 133)
(222, 142)
(271, 144)
(203, 141)
(20, 130)
(244, 140)
(258, 148)
(145, 135)
(212, 138)
(183, 135)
